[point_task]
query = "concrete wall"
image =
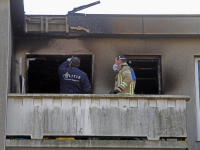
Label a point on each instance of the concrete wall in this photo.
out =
(5, 47)
(177, 57)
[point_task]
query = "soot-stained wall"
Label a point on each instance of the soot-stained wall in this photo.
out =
(177, 58)
(177, 61)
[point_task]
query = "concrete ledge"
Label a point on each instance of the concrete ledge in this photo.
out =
(123, 144)
(158, 97)
(93, 25)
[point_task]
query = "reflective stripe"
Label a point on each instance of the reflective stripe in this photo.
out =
(131, 88)
(119, 79)
(126, 72)
(120, 83)
(124, 84)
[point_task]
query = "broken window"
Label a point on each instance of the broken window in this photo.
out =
(148, 73)
(42, 72)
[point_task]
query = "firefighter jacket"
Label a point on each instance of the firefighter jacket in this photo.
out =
(73, 80)
(123, 81)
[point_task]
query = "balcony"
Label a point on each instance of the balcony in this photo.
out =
(139, 121)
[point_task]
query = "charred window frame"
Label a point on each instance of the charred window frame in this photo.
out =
(148, 73)
(42, 71)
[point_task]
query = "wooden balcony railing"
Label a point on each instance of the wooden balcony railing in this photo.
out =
(149, 116)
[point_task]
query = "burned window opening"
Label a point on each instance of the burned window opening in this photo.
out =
(42, 72)
(148, 74)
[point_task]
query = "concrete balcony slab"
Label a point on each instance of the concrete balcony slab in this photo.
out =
(95, 144)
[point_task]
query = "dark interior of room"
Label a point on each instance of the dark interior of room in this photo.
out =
(146, 71)
(42, 73)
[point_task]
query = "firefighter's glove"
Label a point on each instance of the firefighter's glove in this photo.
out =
(114, 92)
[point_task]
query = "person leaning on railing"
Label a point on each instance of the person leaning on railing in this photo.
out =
(125, 79)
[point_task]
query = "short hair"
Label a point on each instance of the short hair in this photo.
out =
(122, 58)
(75, 62)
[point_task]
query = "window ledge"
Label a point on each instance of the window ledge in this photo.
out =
(157, 97)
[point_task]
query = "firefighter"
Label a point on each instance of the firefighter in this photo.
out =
(72, 79)
(125, 79)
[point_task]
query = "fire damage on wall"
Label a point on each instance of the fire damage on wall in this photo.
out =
(76, 25)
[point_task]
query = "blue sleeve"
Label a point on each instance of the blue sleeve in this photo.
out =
(64, 65)
(86, 86)
(133, 75)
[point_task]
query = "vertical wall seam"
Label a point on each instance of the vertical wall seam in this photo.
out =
(9, 59)
(143, 26)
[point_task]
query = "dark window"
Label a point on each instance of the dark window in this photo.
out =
(42, 72)
(148, 73)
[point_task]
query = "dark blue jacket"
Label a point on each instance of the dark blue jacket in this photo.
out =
(73, 80)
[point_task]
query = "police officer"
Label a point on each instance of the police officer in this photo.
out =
(125, 79)
(72, 79)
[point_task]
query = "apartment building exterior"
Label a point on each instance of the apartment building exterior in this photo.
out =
(162, 49)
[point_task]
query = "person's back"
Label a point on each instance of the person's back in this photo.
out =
(72, 79)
